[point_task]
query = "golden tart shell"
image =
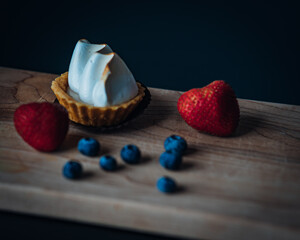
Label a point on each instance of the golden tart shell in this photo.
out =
(90, 115)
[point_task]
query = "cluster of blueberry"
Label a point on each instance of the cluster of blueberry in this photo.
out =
(171, 159)
(91, 147)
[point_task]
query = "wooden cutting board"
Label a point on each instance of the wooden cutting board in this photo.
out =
(243, 187)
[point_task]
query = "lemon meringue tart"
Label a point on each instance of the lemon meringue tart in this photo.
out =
(99, 89)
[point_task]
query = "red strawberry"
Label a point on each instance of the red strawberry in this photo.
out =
(212, 109)
(42, 125)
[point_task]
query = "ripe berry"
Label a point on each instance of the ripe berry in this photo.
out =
(42, 125)
(72, 170)
(108, 163)
(213, 109)
(175, 143)
(131, 154)
(170, 160)
(89, 146)
(166, 185)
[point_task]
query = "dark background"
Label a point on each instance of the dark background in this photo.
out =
(253, 45)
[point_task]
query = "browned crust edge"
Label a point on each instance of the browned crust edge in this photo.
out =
(89, 115)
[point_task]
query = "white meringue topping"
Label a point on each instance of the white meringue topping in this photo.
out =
(99, 77)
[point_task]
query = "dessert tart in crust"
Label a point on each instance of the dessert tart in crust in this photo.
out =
(89, 115)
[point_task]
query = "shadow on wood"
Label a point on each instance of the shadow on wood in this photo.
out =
(247, 124)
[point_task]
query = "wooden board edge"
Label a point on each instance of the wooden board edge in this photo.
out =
(135, 216)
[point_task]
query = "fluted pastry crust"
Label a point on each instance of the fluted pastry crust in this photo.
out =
(89, 115)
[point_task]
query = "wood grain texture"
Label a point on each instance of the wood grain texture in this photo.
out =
(243, 187)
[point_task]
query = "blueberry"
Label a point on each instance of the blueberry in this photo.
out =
(89, 146)
(166, 185)
(130, 154)
(108, 163)
(72, 170)
(170, 160)
(175, 143)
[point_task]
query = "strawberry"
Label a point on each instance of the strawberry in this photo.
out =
(42, 125)
(212, 109)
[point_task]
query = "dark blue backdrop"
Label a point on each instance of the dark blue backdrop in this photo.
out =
(167, 44)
